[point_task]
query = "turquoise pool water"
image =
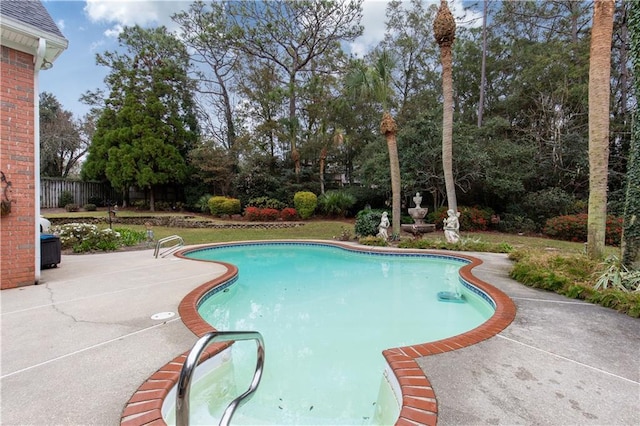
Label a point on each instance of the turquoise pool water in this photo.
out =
(326, 314)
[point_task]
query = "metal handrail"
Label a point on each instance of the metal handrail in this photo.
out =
(171, 249)
(190, 364)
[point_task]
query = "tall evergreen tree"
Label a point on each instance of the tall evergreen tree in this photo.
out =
(148, 124)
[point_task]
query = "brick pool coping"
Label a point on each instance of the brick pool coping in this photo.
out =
(419, 402)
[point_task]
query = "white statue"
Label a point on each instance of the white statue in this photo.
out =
(452, 226)
(384, 224)
(417, 199)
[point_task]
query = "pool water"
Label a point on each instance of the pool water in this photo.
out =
(326, 315)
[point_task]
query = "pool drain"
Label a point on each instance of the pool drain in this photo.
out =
(162, 315)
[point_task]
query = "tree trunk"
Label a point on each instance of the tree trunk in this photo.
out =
(599, 93)
(447, 127)
(388, 128)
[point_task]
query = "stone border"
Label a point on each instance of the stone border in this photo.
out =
(419, 402)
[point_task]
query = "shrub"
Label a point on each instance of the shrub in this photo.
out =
(97, 201)
(202, 204)
(336, 203)
(66, 197)
(465, 244)
(90, 207)
(512, 224)
(224, 206)
(574, 228)
(305, 203)
(576, 277)
(471, 218)
(252, 214)
(72, 207)
(83, 237)
(367, 222)
(373, 241)
(130, 237)
(261, 214)
(289, 213)
(266, 203)
(547, 203)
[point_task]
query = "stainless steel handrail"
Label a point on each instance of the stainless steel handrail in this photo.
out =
(171, 249)
(190, 364)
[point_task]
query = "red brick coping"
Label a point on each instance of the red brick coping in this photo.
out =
(419, 403)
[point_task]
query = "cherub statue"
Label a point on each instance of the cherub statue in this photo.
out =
(452, 226)
(384, 224)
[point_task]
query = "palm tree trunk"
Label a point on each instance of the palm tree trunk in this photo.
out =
(447, 127)
(388, 128)
(599, 94)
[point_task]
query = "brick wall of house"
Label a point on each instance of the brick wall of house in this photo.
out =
(17, 159)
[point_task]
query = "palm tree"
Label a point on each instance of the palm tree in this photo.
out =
(444, 30)
(599, 94)
(376, 82)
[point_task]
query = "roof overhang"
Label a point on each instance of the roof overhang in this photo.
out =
(26, 38)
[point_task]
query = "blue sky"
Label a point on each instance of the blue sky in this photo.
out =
(92, 26)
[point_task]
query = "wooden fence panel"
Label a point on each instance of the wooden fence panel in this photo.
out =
(52, 188)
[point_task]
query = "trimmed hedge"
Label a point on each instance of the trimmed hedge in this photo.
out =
(219, 206)
(305, 203)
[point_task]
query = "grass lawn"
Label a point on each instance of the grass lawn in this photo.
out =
(313, 229)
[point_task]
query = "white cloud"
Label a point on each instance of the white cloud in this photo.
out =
(132, 12)
(60, 24)
(374, 21)
(114, 31)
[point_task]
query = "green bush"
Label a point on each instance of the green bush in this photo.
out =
(72, 207)
(98, 201)
(336, 203)
(130, 237)
(90, 207)
(373, 241)
(465, 244)
(66, 197)
(219, 206)
(202, 204)
(513, 224)
(367, 222)
(266, 203)
(542, 205)
(305, 203)
(574, 228)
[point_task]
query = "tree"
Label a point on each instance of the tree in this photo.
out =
(205, 29)
(292, 34)
(62, 144)
(599, 93)
(444, 30)
(376, 82)
(631, 231)
(148, 125)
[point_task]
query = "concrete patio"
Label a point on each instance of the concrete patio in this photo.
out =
(79, 344)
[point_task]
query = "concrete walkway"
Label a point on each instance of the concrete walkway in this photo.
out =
(76, 347)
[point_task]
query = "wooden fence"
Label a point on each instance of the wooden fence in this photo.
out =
(52, 188)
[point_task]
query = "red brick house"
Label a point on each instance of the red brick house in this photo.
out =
(30, 43)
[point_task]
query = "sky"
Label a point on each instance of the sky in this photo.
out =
(92, 26)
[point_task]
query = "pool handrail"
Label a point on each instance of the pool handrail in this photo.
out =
(188, 368)
(169, 250)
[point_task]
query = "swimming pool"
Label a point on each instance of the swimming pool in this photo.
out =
(326, 314)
